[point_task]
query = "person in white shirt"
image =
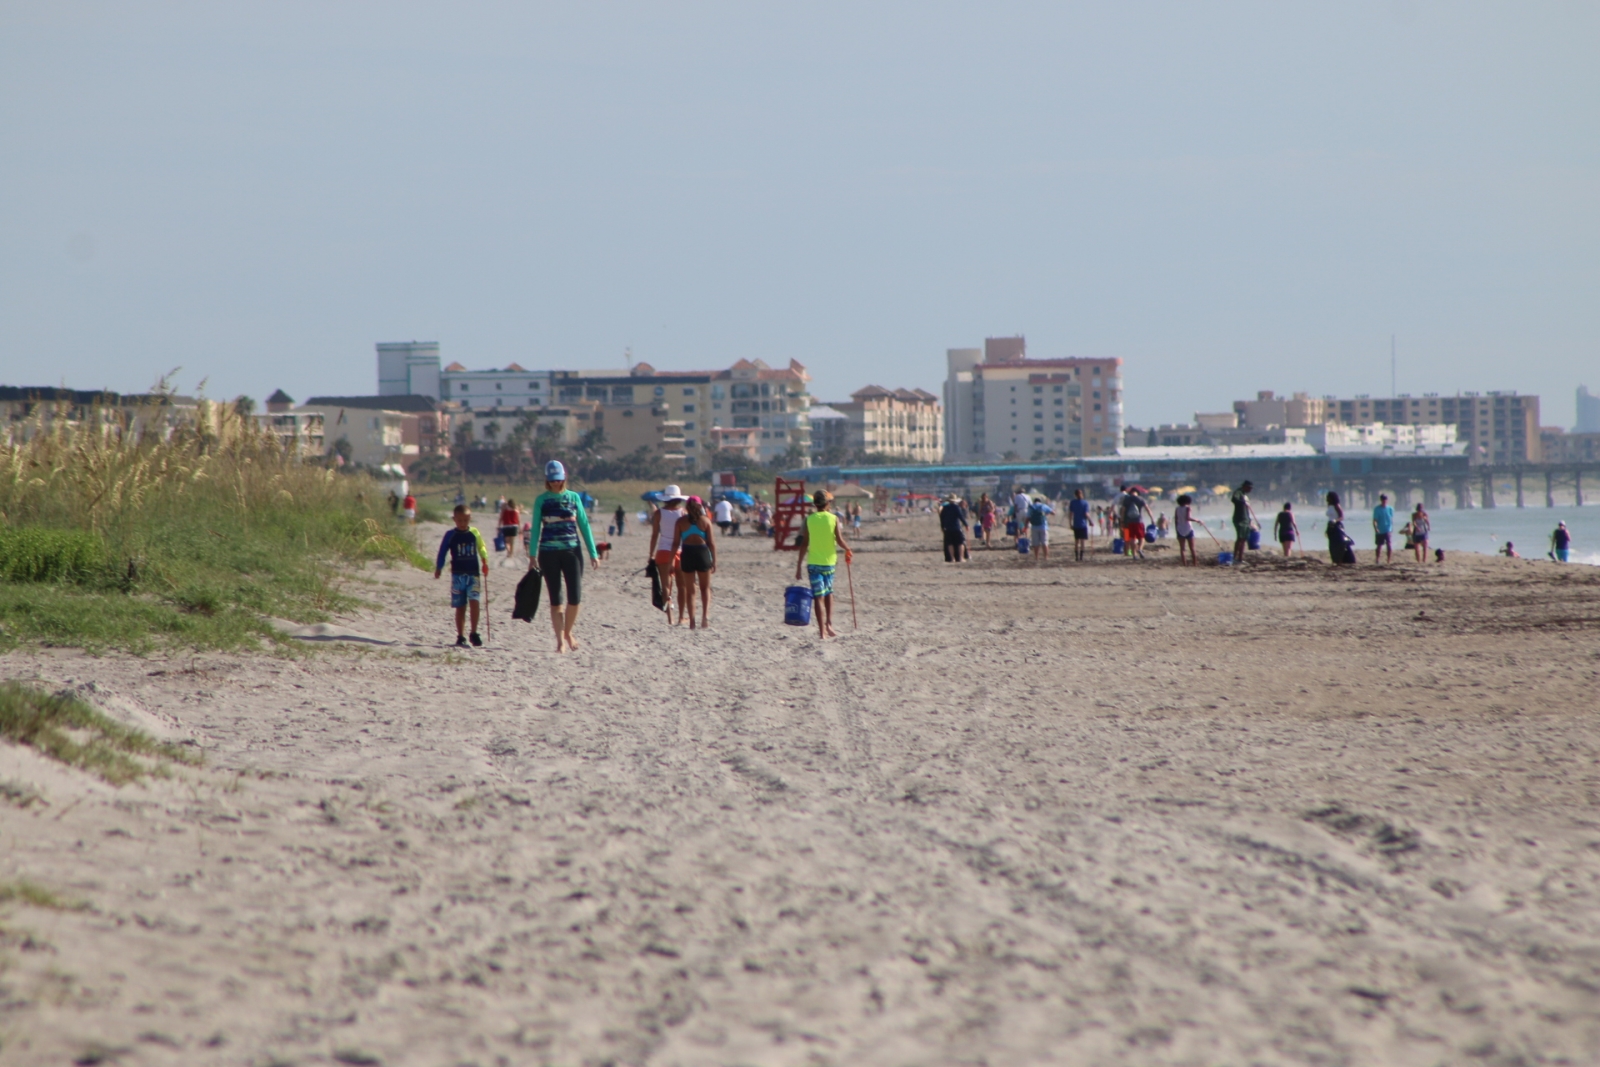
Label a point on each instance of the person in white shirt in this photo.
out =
(724, 514)
(1020, 503)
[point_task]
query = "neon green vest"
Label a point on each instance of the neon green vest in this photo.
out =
(822, 550)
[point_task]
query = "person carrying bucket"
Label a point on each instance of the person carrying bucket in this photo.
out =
(820, 544)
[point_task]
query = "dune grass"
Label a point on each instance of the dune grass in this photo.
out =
(137, 537)
(72, 732)
(23, 891)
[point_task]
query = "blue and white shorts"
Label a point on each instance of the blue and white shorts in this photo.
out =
(463, 587)
(821, 580)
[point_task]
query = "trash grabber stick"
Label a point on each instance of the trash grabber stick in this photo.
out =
(488, 616)
(850, 576)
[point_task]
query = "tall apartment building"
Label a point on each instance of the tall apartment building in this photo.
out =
(1588, 412)
(409, 368)
(905, 423)
(1000, 403)
(1496, 427)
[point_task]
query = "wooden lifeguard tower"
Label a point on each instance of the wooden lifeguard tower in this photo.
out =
(789, 510)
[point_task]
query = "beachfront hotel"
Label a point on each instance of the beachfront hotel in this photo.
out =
(999, 404)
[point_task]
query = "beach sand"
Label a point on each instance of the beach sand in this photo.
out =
(1080, 814)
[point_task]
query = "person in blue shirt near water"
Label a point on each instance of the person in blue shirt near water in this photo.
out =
(1383, 529)
(469, 568)
(560, 537)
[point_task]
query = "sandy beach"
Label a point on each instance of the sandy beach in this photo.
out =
(1080, 814)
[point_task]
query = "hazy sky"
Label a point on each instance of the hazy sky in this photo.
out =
(1228, 196)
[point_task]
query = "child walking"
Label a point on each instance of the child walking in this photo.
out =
(469, 567)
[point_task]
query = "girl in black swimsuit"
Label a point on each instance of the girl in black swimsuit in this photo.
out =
(697, 560)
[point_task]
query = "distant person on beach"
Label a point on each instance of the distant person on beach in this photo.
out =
(394, 503)
(663, 535)
(1340, 547)
(620, 516)
(1183, 522)
(1284, 529)
(510, 526)
(1561, 543)
(954, 526)
(469, 569)
(1244, 519)
(696, 550)
(819, 554)
(1421, 527)
(1131, 510)
(986, 511)
(408, 509)
(1510, 551)
(724, 515)
(855, 518)
(1383, 529)
(1078, 518)
(560, 536)
(1019, 512)
(1039, 513)
(461, 498)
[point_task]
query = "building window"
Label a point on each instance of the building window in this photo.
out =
(688, 409)
(498, 386)
(688, 427)
(661, 391)
(688, 391)
(465, 387)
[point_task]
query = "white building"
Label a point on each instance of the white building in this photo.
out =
(375, 437)
(511, 386)
(409, 368)
(1377, 438)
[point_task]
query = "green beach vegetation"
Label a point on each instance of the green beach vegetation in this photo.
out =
(68, 730)
(136, 533)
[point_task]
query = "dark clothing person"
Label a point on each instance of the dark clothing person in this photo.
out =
(954, 524)
(558, 565)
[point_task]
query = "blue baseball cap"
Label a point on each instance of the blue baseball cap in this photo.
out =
(554, 471)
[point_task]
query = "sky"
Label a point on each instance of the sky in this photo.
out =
(1227, 196)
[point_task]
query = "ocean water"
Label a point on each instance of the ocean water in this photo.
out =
(1483, 530)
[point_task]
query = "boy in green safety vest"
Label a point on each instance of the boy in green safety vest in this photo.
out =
(820, 545)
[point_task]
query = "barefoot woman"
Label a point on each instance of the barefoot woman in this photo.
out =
(559, 522)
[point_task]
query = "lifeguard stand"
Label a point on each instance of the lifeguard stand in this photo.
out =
(789, 511)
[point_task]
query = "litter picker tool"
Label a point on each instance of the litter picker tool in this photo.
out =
(851, 578)
(488, 616)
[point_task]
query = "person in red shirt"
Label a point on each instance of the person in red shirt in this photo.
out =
(408, 509)
(510, 527)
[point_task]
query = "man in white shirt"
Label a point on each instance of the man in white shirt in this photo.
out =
(724, 514)
(1020, 503)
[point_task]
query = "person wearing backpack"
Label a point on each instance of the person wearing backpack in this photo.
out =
(1039, 512)
(1131, 510)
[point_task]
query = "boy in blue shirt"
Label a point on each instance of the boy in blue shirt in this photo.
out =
(469, 567)
(1078, 512)
(1383, 529)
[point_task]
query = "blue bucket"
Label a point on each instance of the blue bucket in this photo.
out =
(1022, 545)
(1117, 546)
(1255, 540)
(1224, 559)
(797, 605)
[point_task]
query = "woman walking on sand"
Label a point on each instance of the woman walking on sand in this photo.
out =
(560, 536)
(1420, 528)
(663, 536)
(697, 558)
(986, 517)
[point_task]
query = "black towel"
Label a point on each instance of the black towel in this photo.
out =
(658, 595)
(528, 596)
